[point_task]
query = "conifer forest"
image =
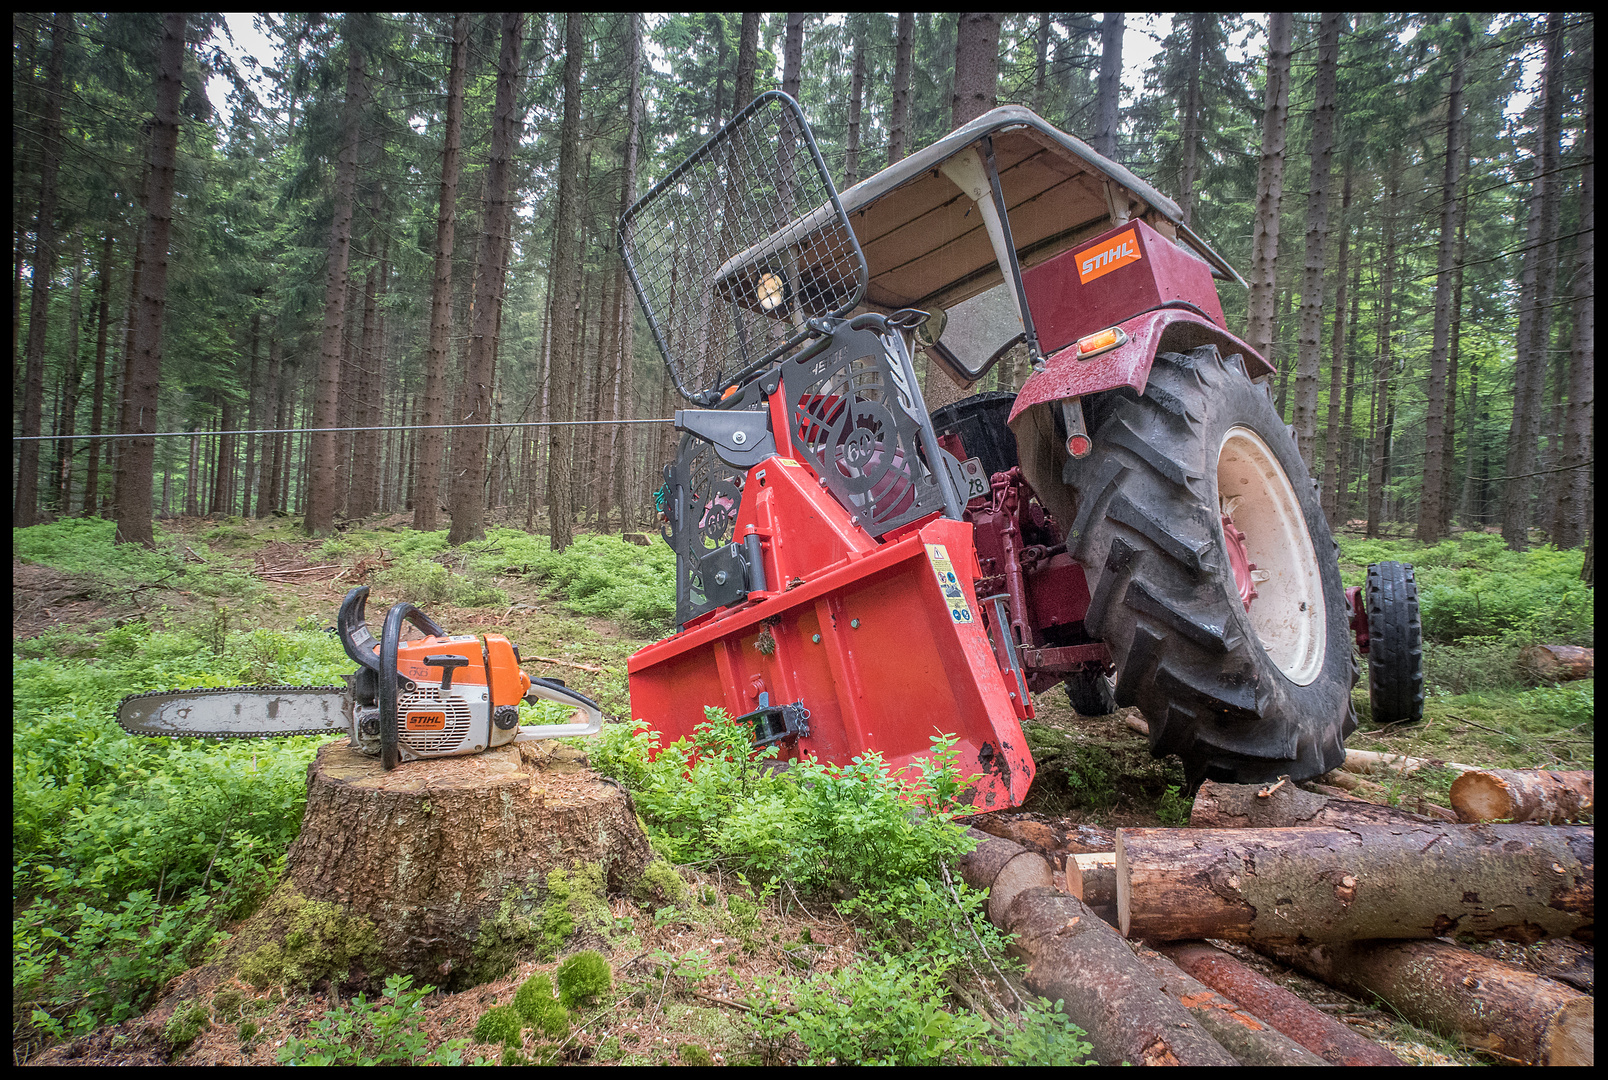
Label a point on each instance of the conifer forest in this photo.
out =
(403, 227)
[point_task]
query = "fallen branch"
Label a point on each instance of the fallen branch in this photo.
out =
(1519, 882)
(1242, 806)
(304, 570)
(567, 663)
(1487, 1004)
(1370, 762)
(1262, 997)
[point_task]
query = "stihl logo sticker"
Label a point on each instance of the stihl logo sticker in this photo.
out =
(426, 721)
(1120, 250)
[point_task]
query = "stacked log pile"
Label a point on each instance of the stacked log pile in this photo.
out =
(1364, 897)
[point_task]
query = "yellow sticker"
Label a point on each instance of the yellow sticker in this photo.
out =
(1120, 250)
(788, 461)
(949, 584)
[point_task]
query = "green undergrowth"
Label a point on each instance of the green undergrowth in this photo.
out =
(882, 847)
(595, 575)
(128, 853)
(83, 548)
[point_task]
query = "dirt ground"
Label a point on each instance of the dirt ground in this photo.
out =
(687, 968)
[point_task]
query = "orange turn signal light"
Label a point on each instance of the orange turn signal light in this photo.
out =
(1104, 341)
(730, 390)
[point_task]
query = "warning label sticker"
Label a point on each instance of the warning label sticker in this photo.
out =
(1100, 260)
(949, 584)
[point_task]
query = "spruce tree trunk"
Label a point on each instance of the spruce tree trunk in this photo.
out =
(1535, 304)
(1431, 513)
(793, 53)
(747, 58)
(1317, 232)
(1269, 183)
(136, 457)
(899, 117)
(431, 437)
(625, 459)
(1333, 452)
(25, 507)
(1575, 490)
(851, 148)
(324, 487)
(97, 414)
(71, 381)
(1109, 94)
(563, 329)
(1383, 412)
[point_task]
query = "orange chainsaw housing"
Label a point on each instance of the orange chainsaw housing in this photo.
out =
(882, 641)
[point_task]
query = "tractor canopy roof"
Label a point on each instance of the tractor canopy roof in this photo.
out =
(926, 243)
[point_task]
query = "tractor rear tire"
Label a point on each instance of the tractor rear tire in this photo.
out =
(1239, 695)
(1395, 644)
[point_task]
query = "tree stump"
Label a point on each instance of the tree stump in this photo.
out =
(449, 860)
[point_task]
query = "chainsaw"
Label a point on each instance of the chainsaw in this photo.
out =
(441, 696)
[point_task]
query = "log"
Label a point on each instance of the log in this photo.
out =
(1245, 1036)
(1523, 795)
(1262, 997)
(1241, 806)
(1485, 1003)
(1520, 882)
(425, 855)
(1075, 958)
(1555, 663)
(1563, 959)
(1370, 762)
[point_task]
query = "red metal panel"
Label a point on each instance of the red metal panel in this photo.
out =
(1112, 277)
(1058, 592)
(911, 668)
(1066, 376)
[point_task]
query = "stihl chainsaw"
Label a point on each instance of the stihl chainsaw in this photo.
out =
(440, 696)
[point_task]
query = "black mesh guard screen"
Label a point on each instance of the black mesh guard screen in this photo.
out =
(739, 246)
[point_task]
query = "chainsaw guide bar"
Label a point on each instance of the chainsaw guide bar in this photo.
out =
(238, 712)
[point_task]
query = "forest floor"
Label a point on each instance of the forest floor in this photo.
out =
(684, 974)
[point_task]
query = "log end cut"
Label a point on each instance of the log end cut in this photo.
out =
(1572, 1037)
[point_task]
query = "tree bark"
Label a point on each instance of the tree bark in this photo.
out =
(747, 58)
(25, 508)
(1189, 116)
(1322, 1034)
(71, 380)
(1333, 453)
(1269, 184)
(434, 850)
(1242, 806)
(562, 332)
(1574, 492)
(1521, 882)
(1317, 240)
(1486, 1004)
(793, 53)
(1535, 302)
(97, 415)
(1075, 958)
(851, 147)
(324, 487)
(1384, 413)
(1431, 513)
(1523, 795)
(976, 67)
(253, 415)
(136, 457)
(425, 491)
(1248, 1038)
(1556, 663)
(899, 118)
(1108, 95)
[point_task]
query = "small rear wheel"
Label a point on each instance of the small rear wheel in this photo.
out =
(1089, 691)
(1395, 644)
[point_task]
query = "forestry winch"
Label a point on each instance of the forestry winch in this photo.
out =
(440, 696)
(855, 575)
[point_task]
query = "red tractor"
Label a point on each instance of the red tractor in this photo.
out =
(854, 574)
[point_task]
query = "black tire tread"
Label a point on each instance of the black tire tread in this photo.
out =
(1395, 644)
(1147, 525)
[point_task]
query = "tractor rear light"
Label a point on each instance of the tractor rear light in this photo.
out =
(1079, 446)
(1106, 340)
(1078, 443)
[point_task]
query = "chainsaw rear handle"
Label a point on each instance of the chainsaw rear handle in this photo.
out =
(553, 690)
(354, 633)
(389, 677)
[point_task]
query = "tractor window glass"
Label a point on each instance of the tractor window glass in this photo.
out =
(980, 328)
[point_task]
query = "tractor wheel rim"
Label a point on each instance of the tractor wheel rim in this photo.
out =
(1288, 611)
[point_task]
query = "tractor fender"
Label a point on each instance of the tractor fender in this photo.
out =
(1168, 329)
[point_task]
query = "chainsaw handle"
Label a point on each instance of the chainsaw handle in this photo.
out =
(552, 690)
(354, 633)
(390, 677)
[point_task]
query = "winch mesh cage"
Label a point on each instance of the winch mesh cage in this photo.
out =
(742, 244)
